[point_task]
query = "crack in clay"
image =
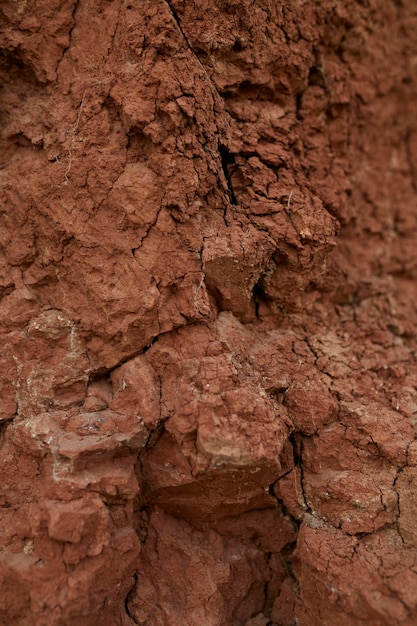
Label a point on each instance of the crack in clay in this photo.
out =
(64, 51)
(195, 55)
(269, 447)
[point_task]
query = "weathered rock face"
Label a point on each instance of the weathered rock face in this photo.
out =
(208, 287)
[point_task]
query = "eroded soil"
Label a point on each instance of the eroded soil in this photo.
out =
(208, 312)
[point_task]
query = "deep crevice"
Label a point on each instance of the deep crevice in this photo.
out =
(178, 23)
(105, 373)
(128, 597)
(228, 166)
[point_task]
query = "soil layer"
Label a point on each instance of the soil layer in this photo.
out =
(208, 269)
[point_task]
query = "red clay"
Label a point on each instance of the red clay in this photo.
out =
(208, 287)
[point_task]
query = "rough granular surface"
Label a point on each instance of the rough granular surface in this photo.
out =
(208, 226)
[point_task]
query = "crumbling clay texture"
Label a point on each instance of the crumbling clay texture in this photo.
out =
(208, 311)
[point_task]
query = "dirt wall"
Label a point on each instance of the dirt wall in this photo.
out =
(208, 307)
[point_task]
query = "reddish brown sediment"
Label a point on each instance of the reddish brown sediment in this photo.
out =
(208, 308)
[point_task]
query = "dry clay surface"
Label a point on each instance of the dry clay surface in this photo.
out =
(208, 291)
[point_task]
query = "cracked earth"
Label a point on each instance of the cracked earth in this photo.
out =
(208, 309)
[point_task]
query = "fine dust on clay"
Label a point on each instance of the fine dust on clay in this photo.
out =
(208, 311)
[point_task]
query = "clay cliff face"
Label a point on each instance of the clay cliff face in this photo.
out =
(208, 310)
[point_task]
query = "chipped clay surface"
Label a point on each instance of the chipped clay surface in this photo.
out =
(208, 311)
